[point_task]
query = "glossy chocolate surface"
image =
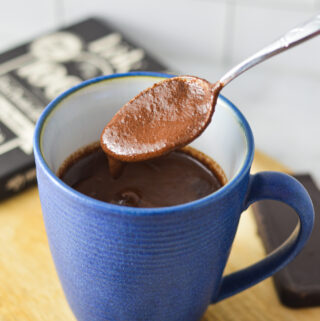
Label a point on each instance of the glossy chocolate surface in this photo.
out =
(173, 179)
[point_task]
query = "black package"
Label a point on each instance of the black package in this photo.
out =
(33, 74)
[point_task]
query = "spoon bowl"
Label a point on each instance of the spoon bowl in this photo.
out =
(164, 117)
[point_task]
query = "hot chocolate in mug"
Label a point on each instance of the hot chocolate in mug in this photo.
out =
(120, 263)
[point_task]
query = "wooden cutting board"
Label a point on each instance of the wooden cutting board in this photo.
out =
(30, 290)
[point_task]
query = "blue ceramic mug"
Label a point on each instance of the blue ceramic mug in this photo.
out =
(120, 263)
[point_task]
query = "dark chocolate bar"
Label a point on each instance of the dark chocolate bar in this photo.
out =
(298, 284)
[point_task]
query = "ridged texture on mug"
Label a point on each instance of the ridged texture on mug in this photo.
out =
(160, 267)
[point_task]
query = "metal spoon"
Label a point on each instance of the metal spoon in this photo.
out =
(294, 37)
(175, 111)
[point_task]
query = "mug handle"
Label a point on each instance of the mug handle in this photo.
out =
(284, 188)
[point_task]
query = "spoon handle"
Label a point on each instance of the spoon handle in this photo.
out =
(294, 37)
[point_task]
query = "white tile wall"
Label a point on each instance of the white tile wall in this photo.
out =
(257, 26)
(280, 98)
(21, 20)
(183, 29)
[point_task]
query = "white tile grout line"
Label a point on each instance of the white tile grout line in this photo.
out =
(59, 9)
(229, 31)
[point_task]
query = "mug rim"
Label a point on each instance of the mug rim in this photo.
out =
(40, 125)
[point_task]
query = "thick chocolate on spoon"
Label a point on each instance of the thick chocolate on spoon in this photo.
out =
(160, 119)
